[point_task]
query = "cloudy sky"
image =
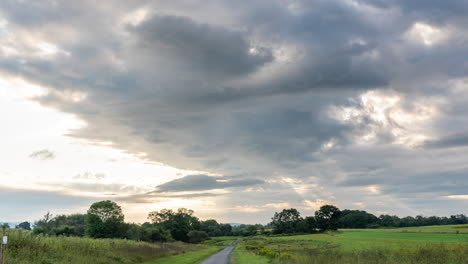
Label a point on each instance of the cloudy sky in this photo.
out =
(235, 109)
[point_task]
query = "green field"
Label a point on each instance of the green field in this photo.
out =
(433, 244)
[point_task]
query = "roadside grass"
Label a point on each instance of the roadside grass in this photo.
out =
(241, 255)
(221, 241)
(359, 246)
(202, 252)
(192, 257)
(26, 248)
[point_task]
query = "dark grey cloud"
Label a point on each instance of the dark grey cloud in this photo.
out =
(240, 88)
(200, 46)
(44, 154)
(205, 182)
(451, 141)
(155, 196)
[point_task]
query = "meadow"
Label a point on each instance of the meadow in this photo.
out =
(26, 248)
(430, 244)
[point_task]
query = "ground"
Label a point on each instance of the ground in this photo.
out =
(435, 244)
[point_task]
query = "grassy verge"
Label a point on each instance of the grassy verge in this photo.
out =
(26, 248)
(202, 252)
(192, 257)
(241, 255)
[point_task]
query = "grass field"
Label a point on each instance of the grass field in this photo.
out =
(436, 244)
(25, 248)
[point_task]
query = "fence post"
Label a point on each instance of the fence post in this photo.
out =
(279, 254)
(3, 249)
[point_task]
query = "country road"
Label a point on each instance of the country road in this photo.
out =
(221, 257)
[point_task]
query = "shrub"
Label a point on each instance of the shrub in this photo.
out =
(197, 236)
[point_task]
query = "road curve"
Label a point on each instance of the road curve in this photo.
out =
(221, 257)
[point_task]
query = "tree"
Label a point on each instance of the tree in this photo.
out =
(178, 223)
(24, 225)
(72, 225)
(211, 227)
(147, 233)
(358, 219)
(226, 229)
(286, 221)
(196, 237)
(327, 217)
(307, 225)
(105, 219)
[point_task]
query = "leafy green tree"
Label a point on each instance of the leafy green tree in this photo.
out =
(147, 233)
(389, 220)
(24, 225)
(226, 229)
(251, 230)
(286, 221)
(50, 224)
(327, 217)
(211, 227)
(64, 230)
(307, 225)
(358, 219)
(178, 223)
(196, 237)
(105, 219)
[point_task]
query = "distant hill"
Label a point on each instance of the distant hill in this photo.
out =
(234, 224)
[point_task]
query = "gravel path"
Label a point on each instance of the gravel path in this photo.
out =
(221, 257)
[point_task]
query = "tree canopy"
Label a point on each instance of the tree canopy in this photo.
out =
(105, 219)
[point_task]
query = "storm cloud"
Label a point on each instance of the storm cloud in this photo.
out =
(204, 182)
(336, 100)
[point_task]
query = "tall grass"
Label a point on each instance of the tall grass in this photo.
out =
(26, 248)
(317, 249)
(429, 254)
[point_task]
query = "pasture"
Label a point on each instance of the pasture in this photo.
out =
(432, 244)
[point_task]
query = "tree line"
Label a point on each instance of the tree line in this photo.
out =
(330, 217)
(105, 219)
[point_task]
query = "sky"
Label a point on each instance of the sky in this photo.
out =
(235, 109)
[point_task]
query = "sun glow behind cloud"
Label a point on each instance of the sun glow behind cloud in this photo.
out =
(73, 167)
(377, 112)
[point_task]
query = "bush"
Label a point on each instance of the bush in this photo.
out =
(197, 236)
(64, 230)
(38, 230)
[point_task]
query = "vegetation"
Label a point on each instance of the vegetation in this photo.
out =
(202, 252)
(102, 236)
(24, 225)
(26, 248)
(329, 217)
(359, 246)
(105, 220)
